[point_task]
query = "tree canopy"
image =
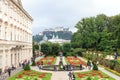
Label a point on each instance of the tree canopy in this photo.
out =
(100, 33)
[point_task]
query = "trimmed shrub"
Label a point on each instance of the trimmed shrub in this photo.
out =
(33, 63)
(89, 78)
(27, 67)
(95, 67)
(117, 68)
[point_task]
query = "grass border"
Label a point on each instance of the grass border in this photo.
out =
(112, 71)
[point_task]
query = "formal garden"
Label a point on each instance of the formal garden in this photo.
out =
(95, 47)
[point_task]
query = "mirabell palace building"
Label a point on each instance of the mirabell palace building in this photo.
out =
(15, 34)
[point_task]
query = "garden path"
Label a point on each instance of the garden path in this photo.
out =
(105, 71)
(60, 75)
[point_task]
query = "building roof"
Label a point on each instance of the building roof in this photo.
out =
(18, 3)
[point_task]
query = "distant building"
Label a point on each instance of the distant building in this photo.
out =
(57, 29)
(55, 39)
(45, 39)
(40, 33)
(58, 40)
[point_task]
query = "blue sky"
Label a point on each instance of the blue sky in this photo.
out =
(66, 13)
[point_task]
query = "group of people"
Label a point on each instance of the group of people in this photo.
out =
(64, 67)
(24, 63)
(71, 76)
(90, 64)
(40, 65)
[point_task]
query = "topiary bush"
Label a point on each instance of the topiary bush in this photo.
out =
(95, 67)
(27, 67)
(89, 78)
(33, 63)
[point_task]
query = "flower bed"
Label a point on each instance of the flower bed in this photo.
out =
(94, 75)
(47, 61)
(31, 75)
(75, 61)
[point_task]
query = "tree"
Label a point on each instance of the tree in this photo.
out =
(100, 33)
(66, 47)
(45, 48)
(55, 48)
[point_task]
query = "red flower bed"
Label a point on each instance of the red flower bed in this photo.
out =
(92, 73)
(46, 61)
(31, 73)
(75, 61)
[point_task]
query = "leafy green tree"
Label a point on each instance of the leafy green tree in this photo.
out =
(55, 48)
(45, 48)
(66, 47)
(100, 33)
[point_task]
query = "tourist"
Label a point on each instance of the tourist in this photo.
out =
(116, 55)
(97, 62)
(23, 65)
(89, 64)
(70, 75)
(64, 67)
(73, 76)
(12, 68)
(67, 67)
(9, 71)
(55, 68)
(70, 67)
(38, 65)
(80, 66)
(93, 63)
(29, 62)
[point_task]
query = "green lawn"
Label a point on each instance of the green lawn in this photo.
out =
(31, 75)
(94, 75)
(118, 60)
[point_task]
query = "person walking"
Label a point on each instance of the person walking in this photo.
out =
(89, 64)
(73, 76)
(9, 71)
(70, 75)
(81, 67)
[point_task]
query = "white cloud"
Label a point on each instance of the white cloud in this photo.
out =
(52, 13)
